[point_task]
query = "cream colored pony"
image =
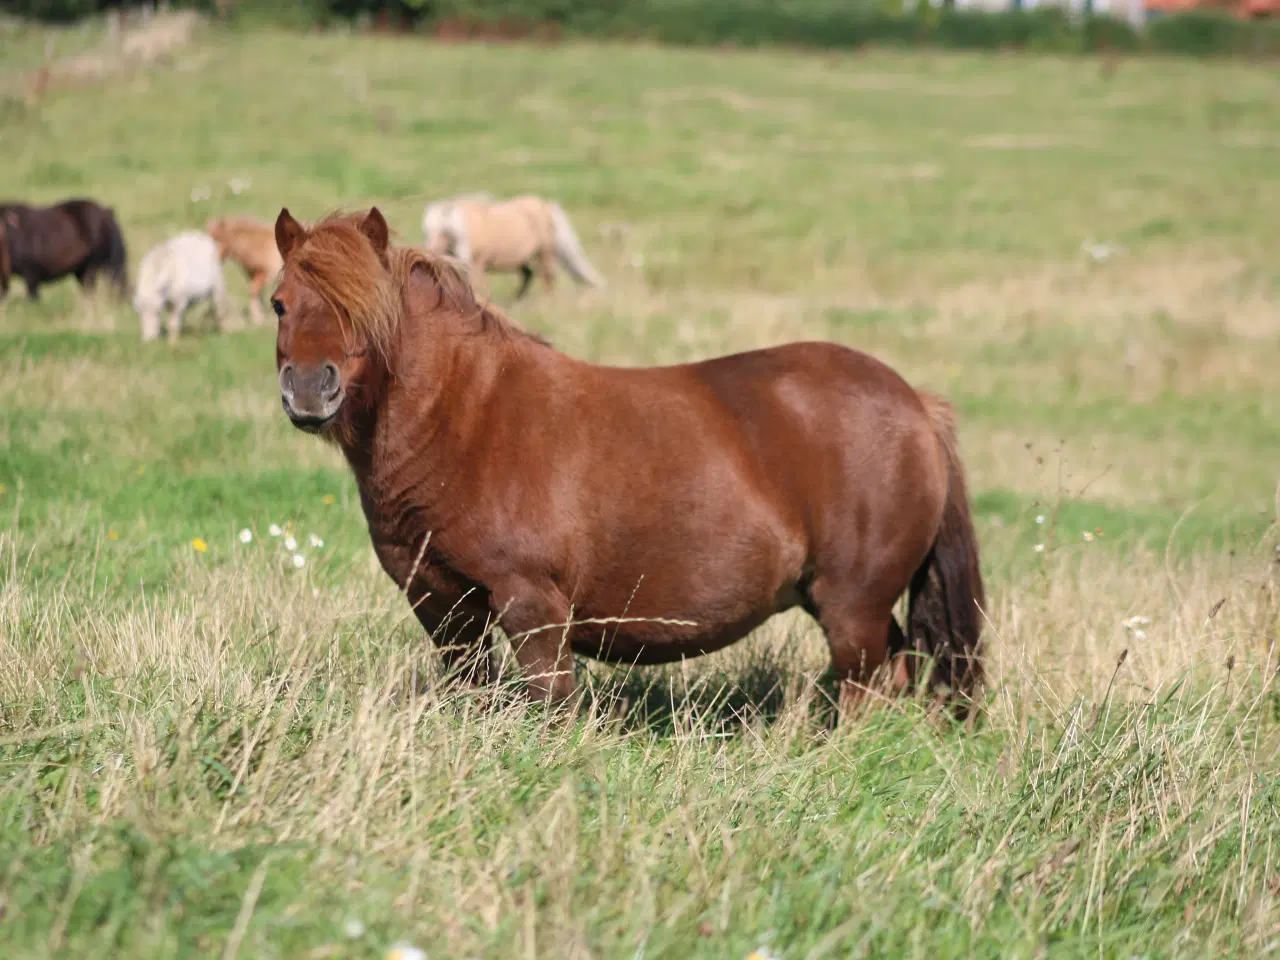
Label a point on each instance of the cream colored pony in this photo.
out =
(525, 233)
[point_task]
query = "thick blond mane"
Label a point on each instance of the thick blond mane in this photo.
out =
(340, 264)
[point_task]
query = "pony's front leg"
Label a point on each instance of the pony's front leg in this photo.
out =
(463, 642)
(150, 325)
(175, 321)
(537, 622)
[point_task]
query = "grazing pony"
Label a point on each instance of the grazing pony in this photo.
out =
(183, 270)
(252, 244)
(78, 237)
(633, 515)
(514, 235)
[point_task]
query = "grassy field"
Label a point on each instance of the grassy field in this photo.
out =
(203, 752)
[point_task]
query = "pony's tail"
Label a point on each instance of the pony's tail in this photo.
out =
(4, 263)
(946, 596)
(569, 249)
(116, 255)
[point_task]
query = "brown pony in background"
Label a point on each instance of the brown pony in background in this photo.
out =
(78, 237)
(632, 515)
(252, 244)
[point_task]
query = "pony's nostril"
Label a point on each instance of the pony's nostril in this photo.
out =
(332, 380)
(286, 380)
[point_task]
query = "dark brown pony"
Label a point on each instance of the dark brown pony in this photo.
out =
(76, 237)
(633, 515)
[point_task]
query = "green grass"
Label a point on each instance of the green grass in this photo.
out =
(214, 753)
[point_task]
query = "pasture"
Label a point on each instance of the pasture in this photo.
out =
(204, 749)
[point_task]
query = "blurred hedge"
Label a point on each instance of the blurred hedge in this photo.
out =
(838, 24)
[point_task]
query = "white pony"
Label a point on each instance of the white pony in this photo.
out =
(184, 269)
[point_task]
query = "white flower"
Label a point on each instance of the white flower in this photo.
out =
(1040, 518)
(200, 193)
(1139, 634)
(239, 185)
(315, 541)
(290, 543)
(246, 535)
(299, 561)
(353, 929)
(1136, 621)
(1038, 548)
(274, 530)
(403, 951)
(1088, 537)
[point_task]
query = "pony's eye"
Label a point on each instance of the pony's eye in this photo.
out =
(278, 307)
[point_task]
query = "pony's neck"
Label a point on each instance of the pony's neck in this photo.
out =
(412, 442)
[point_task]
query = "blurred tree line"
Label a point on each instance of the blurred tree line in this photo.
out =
(838, 24)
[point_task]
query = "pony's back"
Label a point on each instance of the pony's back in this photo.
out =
(249, 241)
(184, 267)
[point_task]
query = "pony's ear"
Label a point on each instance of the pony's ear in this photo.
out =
(288, 232)
(374, 226)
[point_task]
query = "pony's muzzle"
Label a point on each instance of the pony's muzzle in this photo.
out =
(311, 395)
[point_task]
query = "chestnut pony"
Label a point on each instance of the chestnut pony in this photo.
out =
(632, 515)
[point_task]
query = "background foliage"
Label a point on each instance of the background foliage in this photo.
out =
(832, 24)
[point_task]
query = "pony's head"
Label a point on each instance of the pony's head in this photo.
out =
(216, 227)
(338, 305)
(437, 227)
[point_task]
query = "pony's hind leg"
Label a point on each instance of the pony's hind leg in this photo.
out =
(865, 642)
(547, 263)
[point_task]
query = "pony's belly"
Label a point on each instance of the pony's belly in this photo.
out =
(660, 644)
